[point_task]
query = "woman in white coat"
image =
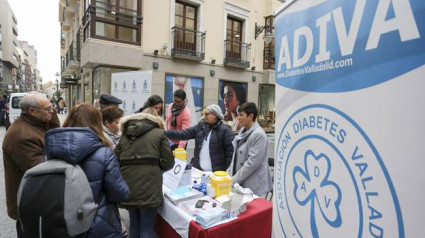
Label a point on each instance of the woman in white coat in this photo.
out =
(249, 165)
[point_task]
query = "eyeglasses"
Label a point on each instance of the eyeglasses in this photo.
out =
(47, 109)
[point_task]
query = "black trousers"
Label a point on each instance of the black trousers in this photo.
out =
(19, 232)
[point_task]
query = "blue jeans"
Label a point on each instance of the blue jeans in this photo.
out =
(142, 222)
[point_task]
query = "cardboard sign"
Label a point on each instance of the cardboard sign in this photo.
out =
(172, 177)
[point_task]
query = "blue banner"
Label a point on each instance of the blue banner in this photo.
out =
(340, 46)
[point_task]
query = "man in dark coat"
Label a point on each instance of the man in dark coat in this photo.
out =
(23, 146)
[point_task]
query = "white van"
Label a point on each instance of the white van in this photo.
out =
(14, 110)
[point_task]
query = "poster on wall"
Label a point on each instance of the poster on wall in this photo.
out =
(133, 88)
(350, 119)
(231, 96)
(194, 88)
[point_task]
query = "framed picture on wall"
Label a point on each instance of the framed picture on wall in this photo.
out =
(194, 88)
(231, 96)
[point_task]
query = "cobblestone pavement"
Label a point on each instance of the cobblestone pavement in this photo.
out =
(7, 225)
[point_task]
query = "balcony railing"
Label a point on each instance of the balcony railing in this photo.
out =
(70, 62)
(188, 44)
(124, 25)
(69, 55)
(63, 64)
(268, 57)
(237, 54)
(78, 41)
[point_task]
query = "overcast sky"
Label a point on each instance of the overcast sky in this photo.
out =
(38, 24)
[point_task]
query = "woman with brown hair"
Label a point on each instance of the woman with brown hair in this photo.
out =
(111, 116)
(81, 141)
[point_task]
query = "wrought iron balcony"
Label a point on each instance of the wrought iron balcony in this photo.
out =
(188, 44)
(78, 42)
(62, 64)
(269, 57)
(70, 61)
(237, 54)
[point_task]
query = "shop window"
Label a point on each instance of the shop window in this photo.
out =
(194, 88)
(266, 106)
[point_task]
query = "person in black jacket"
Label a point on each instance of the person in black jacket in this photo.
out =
(213, 140)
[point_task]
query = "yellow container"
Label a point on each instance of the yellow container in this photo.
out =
(180, 153)
(221, 181)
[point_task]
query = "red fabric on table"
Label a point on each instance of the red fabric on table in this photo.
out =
(255, 222)
(163, 229)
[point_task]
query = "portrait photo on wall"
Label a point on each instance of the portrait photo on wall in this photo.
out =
(231, 96)
(194, 88)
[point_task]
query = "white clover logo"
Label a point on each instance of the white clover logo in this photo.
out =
(312, 184)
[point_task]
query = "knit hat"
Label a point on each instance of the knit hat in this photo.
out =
(216, 110)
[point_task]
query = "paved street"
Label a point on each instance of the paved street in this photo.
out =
(7, 225)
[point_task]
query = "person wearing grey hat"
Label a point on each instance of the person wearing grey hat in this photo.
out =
(213, 140)
(216, 110)
(107, 99)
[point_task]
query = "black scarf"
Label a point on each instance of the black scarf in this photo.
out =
(175, 113)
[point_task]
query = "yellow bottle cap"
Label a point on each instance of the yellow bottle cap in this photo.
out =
(179, 149)
(180, 153)
(220, 173)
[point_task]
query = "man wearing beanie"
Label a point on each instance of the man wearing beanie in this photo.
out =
(213, 140)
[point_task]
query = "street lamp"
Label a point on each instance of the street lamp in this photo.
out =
(268, 36)
(57, 84)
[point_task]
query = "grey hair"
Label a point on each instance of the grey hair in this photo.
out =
(32, 99)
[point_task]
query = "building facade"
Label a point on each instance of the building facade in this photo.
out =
(10, 55)
(29, 72)
(214, 44)
(18, 60)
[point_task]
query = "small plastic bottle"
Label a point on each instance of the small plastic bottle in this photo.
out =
(204, 179)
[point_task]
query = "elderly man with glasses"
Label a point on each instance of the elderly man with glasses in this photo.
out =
(23, 146)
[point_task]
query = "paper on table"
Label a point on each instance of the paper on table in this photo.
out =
(172, 177)
(181, 194)
(219, 223)
(190, 205)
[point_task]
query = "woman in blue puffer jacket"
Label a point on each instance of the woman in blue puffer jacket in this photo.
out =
(82, 142)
